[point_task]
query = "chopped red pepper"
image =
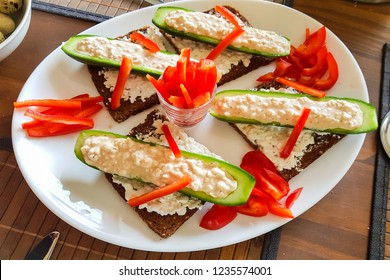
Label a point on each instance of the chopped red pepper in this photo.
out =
(171, 141)
(292, 197)
(124, 72)
(218, 216)
(187, 96)
(312, 44)
(292, 139)
(255, 206)
(161, 191)
(277, 209)
(144, 41)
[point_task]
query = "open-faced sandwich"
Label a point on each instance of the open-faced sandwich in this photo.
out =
(164, 174)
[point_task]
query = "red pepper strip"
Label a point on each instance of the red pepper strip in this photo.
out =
(312, 44)
(226, 13)
(63, 103)
(320, 61)
(159, 87)
(333, 74)
(276, 209)
(161, 191)
(268, 186)
(225, 43)
(201, 99)
(292, 139)
(171, 141)
(177, 101)
(278, 181)
(82, 114)
(218, 216)
(302, 88)
(181, 68)
(124, 72)
(89, 100)
(255, 206)
(292, 197)
(258, 159)
(186, 96)
(205, 77)
(144, 41)
(266, 77)
(42, 131)
(65, 119)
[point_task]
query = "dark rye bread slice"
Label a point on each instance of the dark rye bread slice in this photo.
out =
(165, 225)
(235, 71)
(322, 142)
(127, 108)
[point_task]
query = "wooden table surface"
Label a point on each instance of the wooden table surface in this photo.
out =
(335, 228)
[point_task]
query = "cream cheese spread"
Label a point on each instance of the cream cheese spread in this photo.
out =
(155, 164)
(324, 115)
(102, 47)
(218, 28)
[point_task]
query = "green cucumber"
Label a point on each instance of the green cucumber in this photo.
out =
(70, 48)
(159, 20)
(370, 121)
(245, 182)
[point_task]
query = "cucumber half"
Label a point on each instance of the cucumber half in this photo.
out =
(245, 181)
(370, 122)
(162, 13)
(70, 48)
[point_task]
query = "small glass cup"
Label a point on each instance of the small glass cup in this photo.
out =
(186, 117)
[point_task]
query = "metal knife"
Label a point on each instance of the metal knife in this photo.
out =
(44, 249)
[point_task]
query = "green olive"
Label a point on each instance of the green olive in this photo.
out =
(7, 24)
(10, 6)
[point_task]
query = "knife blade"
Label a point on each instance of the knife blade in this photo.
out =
(45, 247)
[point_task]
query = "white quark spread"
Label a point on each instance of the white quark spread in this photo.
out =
(271, 139)
(154, 164)
(215, 27)
(102, 47)
(136, 87)
(329, 114)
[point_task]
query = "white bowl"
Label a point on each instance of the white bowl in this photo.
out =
(22, 19)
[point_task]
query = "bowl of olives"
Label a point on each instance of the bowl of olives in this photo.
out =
(15, 17)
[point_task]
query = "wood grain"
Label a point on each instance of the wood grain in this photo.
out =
(337, 227)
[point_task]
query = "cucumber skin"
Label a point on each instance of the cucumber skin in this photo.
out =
(370, 121)
(69, 48)
(245, 181)
(159, 21)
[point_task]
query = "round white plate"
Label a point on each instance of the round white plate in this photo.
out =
(82, 197)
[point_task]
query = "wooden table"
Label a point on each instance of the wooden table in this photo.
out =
(335, 228)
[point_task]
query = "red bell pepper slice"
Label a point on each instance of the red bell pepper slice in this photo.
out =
(226, 13)
(161, 191)
(302, 88)
(320, 60)
(65, 119)
(124, 72)
(255, 206)
(278, 181)
(224, 43)
(277, 209)
(292, 139)
(57, 103)
(258, 159)
(292, 197)
(144, 41)
(325, 84)
(187, 96)
(218, 216)
(42, 131)
(312, 44)
(159, 87)
(201, 99)
(177, 101)
(171, 141)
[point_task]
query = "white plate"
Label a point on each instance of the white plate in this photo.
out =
(82, 197)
